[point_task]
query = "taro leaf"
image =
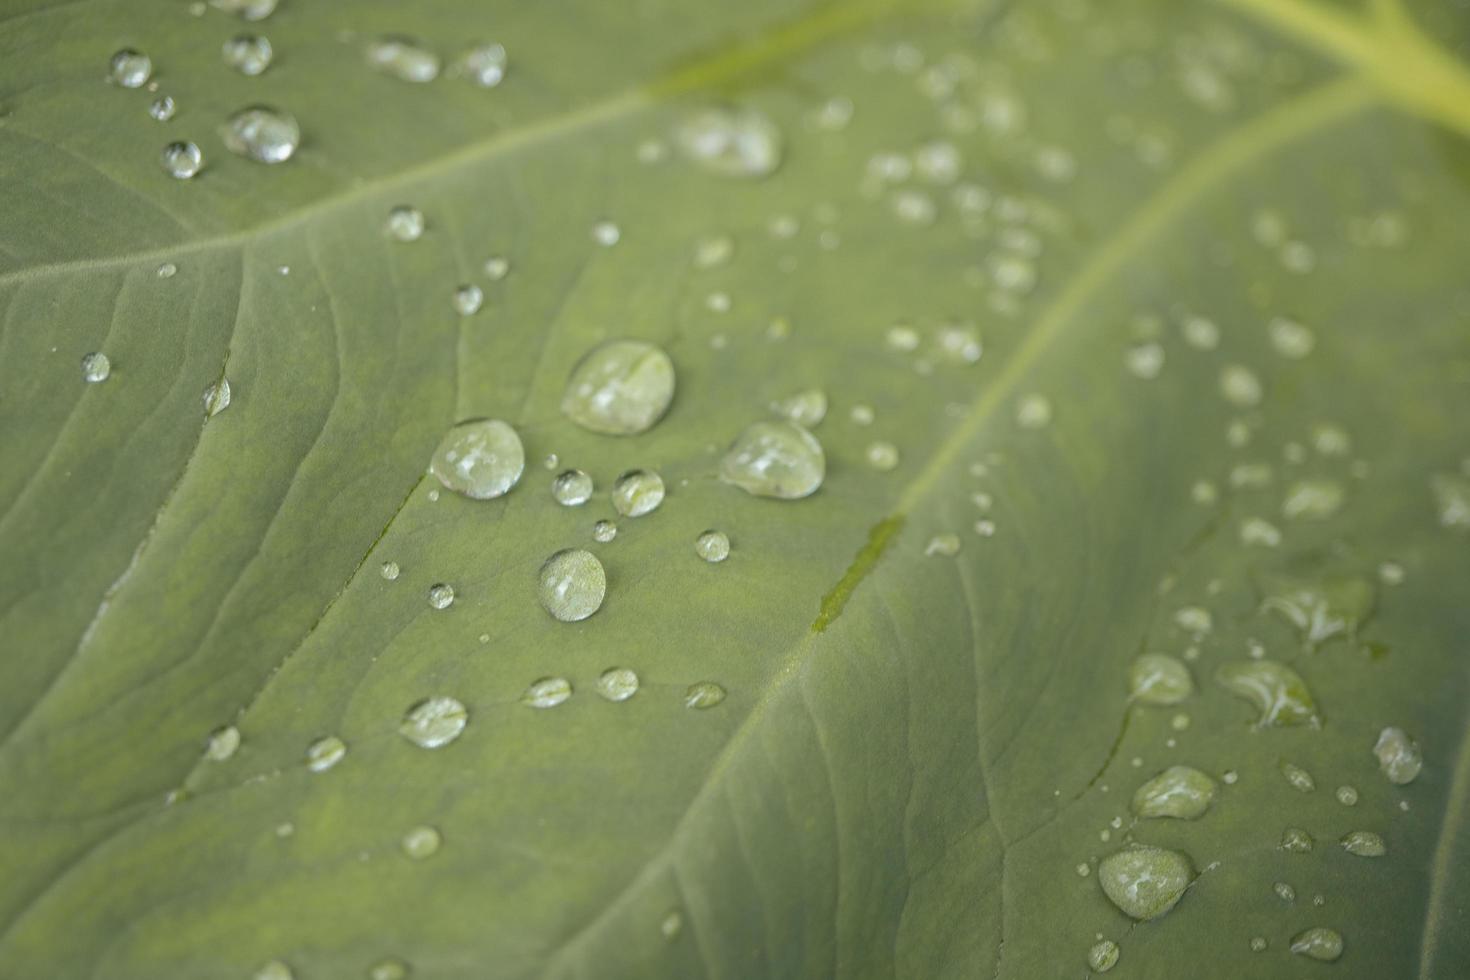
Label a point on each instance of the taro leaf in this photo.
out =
(1135, 207)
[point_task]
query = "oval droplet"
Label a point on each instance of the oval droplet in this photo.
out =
(1143, 881)
(704, 694)
(806, 408)
(882, 456)
(222, 744)
(217, 397)
(163, 108)
(617, 684)
(246, 9)
(181, 159)
(421, 842)
(731, 142)
(1103, 956)
(712, 546)
(389, 570)
(129, 68)
(1277, 691)
(441, 595)
(1318, 943)
(1156, 678)
(262, 133)
(571, 488)
(325, 753)
(96, 367)
(1296, 841)
(572, 585)
(248, 54)
(274, 970)
(1364, 843)
(482, 460)
(775, 459)
(468, 299)
(434, 722)
(1398, 756)
(622, 387)
(1182, 792)
(389, 969)
(548, 692)
(405, 223)
(1299, 778)
(404, 58)
(637, 492)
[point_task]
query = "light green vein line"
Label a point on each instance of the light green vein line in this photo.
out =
(1456, 823)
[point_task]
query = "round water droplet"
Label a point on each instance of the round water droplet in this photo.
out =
(606, 233)
(167, 270)
(421, 842)
(1277, 691)
(1398, 756)
(274, 970)
(441, 595)
(1299, 778)
(730, 142)
(405, 223)
(497, 268)
(548, 692)
(468, 299)
(389, 969)
(181, 159)
(1364, 843)
(404, 58)
(389, 570)
(262, 133)
(484, 65)
(129, 68)
(248, 54)
(1144, 361)
(1347, 795)
(617, 684)
(637, 492)
(162, 108)
(604, 531)
(434, 722)
(1103, 956)
(805, 408)
(572, 585)
(325, 753)
(1296, 841)
(96, 367)
(217, 397)
(1318, 943)
(222, 743)
(775, 459)
(882, 456)
(705, 694)
(571, 488)
(482, 459)
(1291, 339)
(712, 546)
(1240, 386)
(1156, 678)
(1194, 619)
(620, 388)
(1033, 412)
(1145, 882)
(1182, 792)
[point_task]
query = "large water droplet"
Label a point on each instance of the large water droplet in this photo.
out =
(1145, 882)
(1398, 756)
(1364, 843)
(223, 742)
(571, 488)
(481, 459)
(775, 459)
(704, 694)
(621, 388)
(637, 492)
(548, 692)
(325, 753)
(1103, 956)
(262, 133)
(389, 570)
(730, 142)
(129, 68)
(1318, 943)
(1277, 691)
(617, 684)
(434, 722)
(181, 159)
(248, 54)
(572, 585)
(96, 367)
(1156, 678)
(217, 397)
(403, 58)
(421, 842)
(1320, 609)
(712, 546)
(1182, 792)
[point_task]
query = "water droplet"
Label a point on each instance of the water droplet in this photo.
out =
(1144, 360)
(421, 842)
(622, 387)
(1299, 778)
(548, 692)
(1452, 498)
(637, 492)
(617, 684)
(181, 159)
(705, 694)
(1296, 841)
(571, 488)
(712, 546)
(1364, 843)
(1318, 943)
(861, 415)
(1182, 792)
(96, 367)
(1347, 795)
(1033, 412)
(468, 299)
(1257, 531)
(882, 456)
(572, 585)
(806, 408)
(1143, 881)
(389, 570)
(497, 268)
(604, 531)
(1320, 609)
(274, 970)
(248, 54)
(1290, 338)
(217, 397)
(405, 223)
(485, 65)
(389, 969)
(441, 595)
(262, 133)
(434, 722)
(606, 233)
(1103, 956)
(1284, 891)
(1277, 691)
(222, 743)
(775, 459)
(671, 924)
(325, 753)
(1240, 386)
(404, 58)
(482, 459)
(129, 68)
(730, 142)
(246, 9)
(1200, 333)
(1398, 756)
(1194, 619)
(943, 546)
(1312, 499)
(1156, 678)
(162, 108)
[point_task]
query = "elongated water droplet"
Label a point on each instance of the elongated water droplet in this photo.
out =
(1156, 678)
(617, 684)
(1398, 756)
(405, 223)
(712, 546)
(571, 488)
(1194, 619)
(604, 531)
(223, 742)
(1314, 499)
(262, 133)
(217, 397)
(162, 108)
(1364, 843)
(404, 58)
(421, 842)
(96, 367)
(730, 142)
(468, 299)
(441, 595)
(705, 694)
(129, 68)
(621, 388)
(572, 585)
(775, 459)
(1143, 881)
(1296, 840)
(1320, 609)
(1318, 943)
(805, 408)
(1182, 792)
(248, 54)
(548, 692)
(181, 159)
(434, 722)
(482, 459)
(1277, 691)
(484, 65)
(1103, 956)
(1299, 778)
(325, 753)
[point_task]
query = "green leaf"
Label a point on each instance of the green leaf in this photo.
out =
(1213, 253)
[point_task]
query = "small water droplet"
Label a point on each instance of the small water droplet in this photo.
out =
(405, 223)
(730, 142)
(1157, 678)
(1200, 333)
(222, 743)
(1290, 338)
(1240, 386)
(1316, 499)
(274, 970)
(1318, 943)
(1145, 882)
(485, 65)
(325, 753)
(1398, 756)
(622, 387)
(404, 58)
(704, 694)
(604, 531)
(571, 488)
(942, 546)
(1260, 532)
(548, 692)
(1194, 619)
(1103, 956)
(421, 842)
(882, 456)
(389, 570)
(712, 546)
(1364, 843)
(129, 68)
(96, 367)
(248, 54)
(162, 108)
(606, 233)
(482, 459)
(775, 459)
(468, 299)
(806, 408)
(637, 492)
(1347, 795)
(671, 924)
(441, 595)
(181, 159)
(246, 9)
(1033, 412)
(1182, 792)
(617, 684)
(217, 397)
(572, 585)
(434, 722)
(1144, 361)
(1284, 891)
(1452, 498)
(1277, 691)
(262, 133)
(1299, 778)
(497, 268)
(1258, 944)
(1296, 840)
(389, 969)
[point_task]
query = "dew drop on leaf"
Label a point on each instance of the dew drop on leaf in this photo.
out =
(1320, 608)
(1318, 943)
(1103, 956)
(434, 722)
(481, 459)
(246, 9)
(571, 488)
(1299, 779)
(468, 299)
(129, 68)
(325, 753)
(882, 456)
(1157, 678)
(1033, 412)
(421, 842)
(617, 684)
(806, 408)
(942, 546)
(1296, 841)
(96, 367)
(262, 133)
(1278, 692)
(1347, 795)
(248, 54)
(1144, 361)
(548, 692)
(620, 388)
(162, 108)
(1284, 891)
(484, 64)
(1398, 756)
(1143, 881)
(775, 459)
(441, 595)
(704, 694)
(1182, 792)
(405, 223)
(1452, 497)
(606, 233)
(637, 492)
(1364, 843)
(604, 531)
(1291, 339)
(572, 584)
(389, 570)
(181, 159)
(403, 58)
(222, 744)
(712, 546)
(1313, 499)
(389, 969)
(217, 397)
(1240, 386)
(730, 142)
(274, 970)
